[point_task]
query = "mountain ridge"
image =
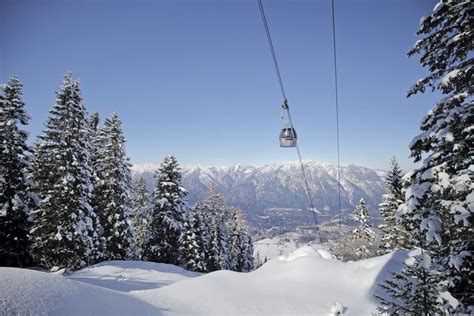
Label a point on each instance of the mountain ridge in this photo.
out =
(256, 189)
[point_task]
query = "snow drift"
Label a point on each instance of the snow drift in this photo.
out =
(307, 281)
(28, 292)
(127, 276)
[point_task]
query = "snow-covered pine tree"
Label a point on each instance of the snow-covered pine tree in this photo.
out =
(413, 291)
(15, 181)
(240, 243)
(440, 198)
(113, 172)
(167, 214)
(219, 247)
(394, 235)
(364, 233)
(94, 121)
(216, 213)
(248, 258)
(236, 240)
(64, 231)
(141, 210)
(201, 231)
(96, 145)
(189, 252)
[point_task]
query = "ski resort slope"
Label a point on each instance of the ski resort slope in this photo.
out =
(29, 292)
(305, 282)
(127, 276)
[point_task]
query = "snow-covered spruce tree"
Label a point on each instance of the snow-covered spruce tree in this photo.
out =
(94, 121)
(394, 235)
(64, 231)
(15, 182)
(167, 215)
(96, 145)
(218, 252)
(141, 210)
(364, 234)
(440, 198)
(189, 252)
(216, 214)
(413, 291)
(113, 190)
(240, 243)
(248, 259)
(235, 240)
(201, 230)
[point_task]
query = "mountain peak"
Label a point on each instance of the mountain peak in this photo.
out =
(279, 188)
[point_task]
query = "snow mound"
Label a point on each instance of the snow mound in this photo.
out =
(306, 251)
(304, 282)
(307, 281)
(336, 309)
(28, 292)
(126, 276)
(325, 254)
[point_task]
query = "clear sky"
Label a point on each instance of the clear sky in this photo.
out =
(195, 78)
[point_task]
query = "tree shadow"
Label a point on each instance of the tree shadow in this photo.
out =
(393, 265)
(122, 284)
(127, 276)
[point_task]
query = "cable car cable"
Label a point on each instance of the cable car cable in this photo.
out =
(270, 43)
(285, 107)
(336, 86)
(305, 178)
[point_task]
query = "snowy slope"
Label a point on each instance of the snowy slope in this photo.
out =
(269, 248)
(279, 185)
(28, 292)
(126, 276)
(304, 282)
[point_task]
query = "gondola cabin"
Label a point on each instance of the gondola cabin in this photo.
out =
(288, 137)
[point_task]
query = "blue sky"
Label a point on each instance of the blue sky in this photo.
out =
(195, 78)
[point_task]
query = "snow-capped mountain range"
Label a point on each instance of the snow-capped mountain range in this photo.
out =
(280, 186)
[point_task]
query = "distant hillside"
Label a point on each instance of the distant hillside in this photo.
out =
(280, 186)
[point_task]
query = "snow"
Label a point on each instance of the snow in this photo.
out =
(126, 276)
(3, 211)
(336, 309)
(264, 181)
(470, 201)
(163, 201)
(426, 261)
(145, 167)
(307, 284)
(449, 76)
(269, 248)
(306, 281)
(437, 7)
(306, 251)
(28, 292)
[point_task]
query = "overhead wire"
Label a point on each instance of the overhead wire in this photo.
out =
(336, 87)
(285, 102)
(272, 49)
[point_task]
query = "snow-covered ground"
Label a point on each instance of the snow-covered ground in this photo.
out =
(127, 276)
(306, 281)
(269, 248)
